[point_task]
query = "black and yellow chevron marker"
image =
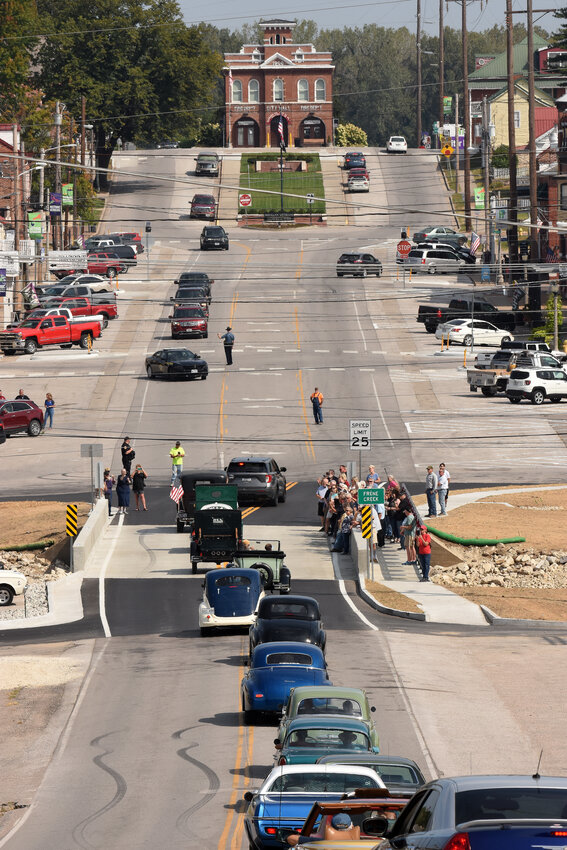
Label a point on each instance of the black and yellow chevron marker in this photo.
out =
(71, 521)
(366, 523)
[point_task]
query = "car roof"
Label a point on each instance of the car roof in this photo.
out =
(368, 758)
(285, 769)
(253, 575)
(352, 724)
(471, 783)
(250, 458)
(289, 597)
(285, 645)
(332, 692)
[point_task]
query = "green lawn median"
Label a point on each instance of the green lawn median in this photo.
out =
(301, 183)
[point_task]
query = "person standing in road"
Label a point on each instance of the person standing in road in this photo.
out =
(176, 454)
(49, 405)
(430, 491)
(228, 342)
(423, 540)
(443, 488)
(138, 486)
(123, 491)
(128, 454)
(22, 395)
(108, 484)
(317, 402)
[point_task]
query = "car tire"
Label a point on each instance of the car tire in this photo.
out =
(194, 567)
(489, 391)
(249, 717)
(180, 526)
(283, 496)
(431, 269)
(104, 321)
(149, 372)
(34, 428)
(273, 502)
(30, 346)
(174, 336)
(6, 595)
(506, 339)
(206, 335)
(538, 396)
(204, 377)
(467, 341)
(204, 632)
(378, 274)
(266, 573)
(86, 341)
(111, 273)
(514, 400)
(123, 269)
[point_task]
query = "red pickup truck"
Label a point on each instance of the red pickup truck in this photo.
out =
(83, 306)
(108, 264)
(32, 334)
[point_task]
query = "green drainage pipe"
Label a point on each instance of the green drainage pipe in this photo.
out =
(474, 541)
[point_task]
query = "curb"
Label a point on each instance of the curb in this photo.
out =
(384, 609)
(495, 620)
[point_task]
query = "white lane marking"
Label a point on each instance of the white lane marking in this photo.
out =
(366, 369)
(336, 369)
(261, 399)
(245, 368)
(143, 402)
(101, 587)
(358, 613)
(379, 406)
(408, 426)
(322, 351)
(264, 350)
(292, 350)
(262, 406)
(349, 351)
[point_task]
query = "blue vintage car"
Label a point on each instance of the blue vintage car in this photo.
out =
(230, 598)
(287, 794)
(276, 668)
(308, 738)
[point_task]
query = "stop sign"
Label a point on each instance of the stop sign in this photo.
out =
(403, 248)
(245, 200)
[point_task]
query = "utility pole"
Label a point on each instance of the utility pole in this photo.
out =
(466, 118)
(18, 294)
(418, 58)
(441, 67)
(57, 121)
(456, 143)
(83, 122)
(534, 241)
(513, 207)
(486, 177)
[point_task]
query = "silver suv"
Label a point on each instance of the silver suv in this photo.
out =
(434, 260)
(536, 385)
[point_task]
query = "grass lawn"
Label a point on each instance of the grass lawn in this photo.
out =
(294, 182)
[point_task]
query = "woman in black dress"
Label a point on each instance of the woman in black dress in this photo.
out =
(123, 491)
(138, 485)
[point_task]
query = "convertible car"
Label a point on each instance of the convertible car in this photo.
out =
(230, 598)
(294, 618)
(308, 738)
(277, 667)
(287, 794)
(333, 703)
(365, 819)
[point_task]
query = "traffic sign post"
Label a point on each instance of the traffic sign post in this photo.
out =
(91, 450)
(402, 253)
(366, 529)
(447, 150)
(71, 528)
(360, 438)
(245, 199)
(310, 200)
(371, 496)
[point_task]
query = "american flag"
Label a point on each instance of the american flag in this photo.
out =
(176, 493)
(475, 242)
(551, 256)
(280, 129)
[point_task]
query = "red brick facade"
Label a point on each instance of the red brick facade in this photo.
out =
(276, 78)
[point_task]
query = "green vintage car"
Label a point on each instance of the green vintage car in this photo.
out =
(309, 738)
(332, 702)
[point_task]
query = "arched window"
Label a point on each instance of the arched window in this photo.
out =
(256, 56)
(237, 91)
(253, 91)
(320, 90)
(277, 38)
(278, 89)
(302, 90)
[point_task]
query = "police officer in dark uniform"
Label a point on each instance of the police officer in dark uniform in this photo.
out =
(228, 341)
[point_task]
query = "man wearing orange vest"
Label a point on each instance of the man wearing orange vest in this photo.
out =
(317, 402)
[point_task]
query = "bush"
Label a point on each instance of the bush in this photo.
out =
(350, 134)
(501, 157)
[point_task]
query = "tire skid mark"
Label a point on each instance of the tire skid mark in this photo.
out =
(213, 779)
(121, 788)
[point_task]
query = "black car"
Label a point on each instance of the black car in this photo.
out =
(354, 159)
(194, 279)
(259, 479)
(186, 295)
(215, 237)
(176, 363)
(295, 618)
(358, 265)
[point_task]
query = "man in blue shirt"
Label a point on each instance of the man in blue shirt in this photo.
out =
(228, 338)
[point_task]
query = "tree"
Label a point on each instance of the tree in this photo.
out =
(18, 24)
(348, 134)
(142, 70)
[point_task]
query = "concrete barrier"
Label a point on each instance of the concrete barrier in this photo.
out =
(89, 534)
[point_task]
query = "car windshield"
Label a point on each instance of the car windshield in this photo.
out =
(328, 739)
(537, 802)
(331, 783)
(188, 312)
(180, 354)
(203, 199)
(334, 705)
(29, 323)
(276, 610)
(214, 231)
(396, 774)
(233, 581)
(289, 658)
(397, 139)
(55, 290)
(193, 276)
(189, 292)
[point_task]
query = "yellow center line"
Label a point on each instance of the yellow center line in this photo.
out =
(309, 439)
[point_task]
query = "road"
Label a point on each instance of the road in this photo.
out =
(155, 752)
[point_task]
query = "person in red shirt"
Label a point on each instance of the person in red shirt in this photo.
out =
(423, 540)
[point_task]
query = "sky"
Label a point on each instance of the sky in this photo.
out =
(330, 14)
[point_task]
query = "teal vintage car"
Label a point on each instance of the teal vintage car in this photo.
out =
(309, 738)
(332, 702)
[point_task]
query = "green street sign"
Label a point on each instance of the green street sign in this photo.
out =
(371, 496)
(67, 194)
(207, 494)
(479, 198)
(35, 225)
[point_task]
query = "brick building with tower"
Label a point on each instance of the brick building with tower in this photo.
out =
(278, 78)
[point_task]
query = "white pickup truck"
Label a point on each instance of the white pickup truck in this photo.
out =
(11, 583)
(494, 380)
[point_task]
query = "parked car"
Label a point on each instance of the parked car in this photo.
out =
(126, 255)
(308, 738)
(331, 703)
(358, 264)
(214, 237)
(295, 618)
(32, 334)
(203, 206)
(286, 796)
(189, 320)
(465, 331)
(176, 363)
(354, 159)
(459, 308)
(43, 312)
(275, 668)
(460, 251)
(519, 345)
(72, 291)
(434, 260)
(358, 183)
(207, 163)
(396, 144)
(401, 775)
(95, 282)
(21, 416)
(536, 385)
(484, 813)
(440, 234)
(230, 598)
(12, 583)
(98, 304)
(102, 242)
(258, 478)
(131, 237)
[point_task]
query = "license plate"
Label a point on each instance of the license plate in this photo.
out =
(194, 370)
(247, 479)
(217, 243)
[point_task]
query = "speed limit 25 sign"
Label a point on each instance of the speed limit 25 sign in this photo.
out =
(359, 434)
